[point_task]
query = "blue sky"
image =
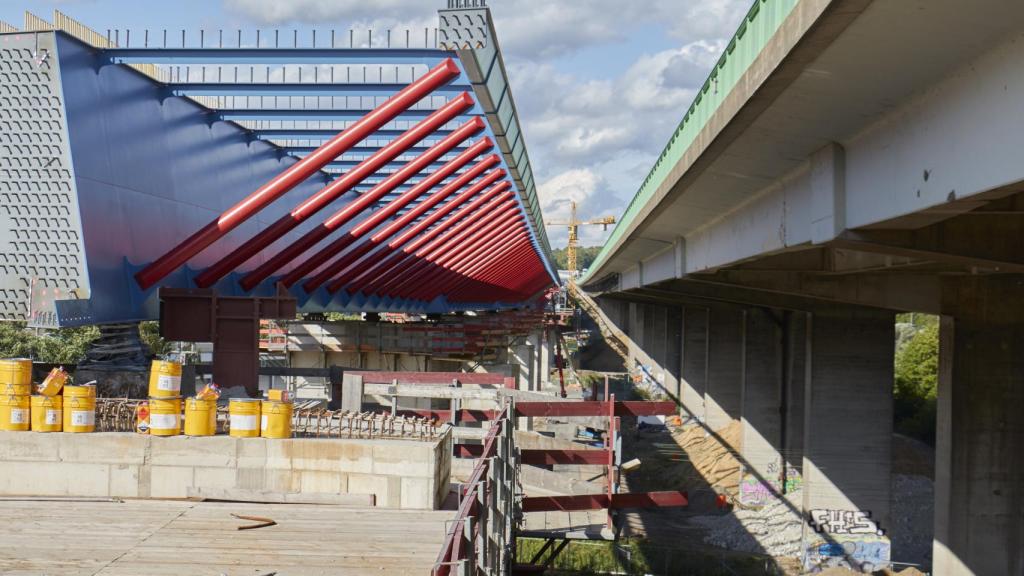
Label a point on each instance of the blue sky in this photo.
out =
(600, 84)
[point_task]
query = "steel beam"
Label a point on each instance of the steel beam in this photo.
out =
(590, 408)
(550, 457)
(332, 191)
(665, 499)
(275, 56)
(295, 174)
(321, 134)
(193, 89)
(325, 115)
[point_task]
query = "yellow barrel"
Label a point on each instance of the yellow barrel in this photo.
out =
(15, 371)
(164, 416)
(14, 412)
(276, 420)
(164, 379)
(244, 417)
(80, 391)
(15, 389)
(79, 409)
(200, 417)
(46, 413)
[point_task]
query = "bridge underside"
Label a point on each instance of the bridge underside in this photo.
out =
(865, 163)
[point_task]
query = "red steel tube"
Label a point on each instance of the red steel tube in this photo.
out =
(514, 258)
(428, 235)
(339, 218)
(431, 239)
(443, 258)
(471, 263)
(327, 252)
(335, 189)
(457, 277)
(157, 270)
(435, 267)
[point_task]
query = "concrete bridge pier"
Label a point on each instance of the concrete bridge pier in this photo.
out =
(693, 383)
(848, 437)
(979, 459)
(724, 391)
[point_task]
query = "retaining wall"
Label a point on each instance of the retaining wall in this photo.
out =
(399, 473)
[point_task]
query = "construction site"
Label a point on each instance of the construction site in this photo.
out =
(328, 333)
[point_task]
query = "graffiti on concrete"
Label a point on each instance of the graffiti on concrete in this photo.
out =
(863, 554)
(853, 522)
(756, 492)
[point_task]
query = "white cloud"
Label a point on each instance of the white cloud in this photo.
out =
(590, 139)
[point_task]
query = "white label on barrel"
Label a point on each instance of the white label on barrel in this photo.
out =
(19, 416)
(168, 383)
(243, 422)
(163, 421)
(83, 418)
(52, 417)
(263, 422)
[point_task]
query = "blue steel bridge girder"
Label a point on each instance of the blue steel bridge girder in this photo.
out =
(275, 56)
(364, 150)
(297, 89)
(327, 115)
(327, 134)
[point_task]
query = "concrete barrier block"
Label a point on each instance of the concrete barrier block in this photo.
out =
(193, 451)
(215, 477)
(104, 447)
(250, 478)
(319, 482)
(398, 458)
(22, 446)
(170, 481)
(281, 481)
(252, 452)
(417, 493)
(54, 479)
(321, 454)
(370, 484)
(124, 481)
(279, 453)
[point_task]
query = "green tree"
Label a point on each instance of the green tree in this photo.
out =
(585, 256)
(916, 381)
(61, 346)
(149, 333)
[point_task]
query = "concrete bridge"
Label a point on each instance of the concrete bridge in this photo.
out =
(846, 160)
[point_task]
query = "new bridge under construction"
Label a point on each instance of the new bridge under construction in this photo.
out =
(365, 359)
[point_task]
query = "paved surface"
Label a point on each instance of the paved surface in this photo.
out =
(162, 537)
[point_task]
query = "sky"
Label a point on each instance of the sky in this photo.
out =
(600, 85)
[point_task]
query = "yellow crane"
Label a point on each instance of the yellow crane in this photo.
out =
(574, 225)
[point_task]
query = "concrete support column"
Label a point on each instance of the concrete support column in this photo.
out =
(848, 439)
(979, 459)
(761, 408)
(725, 366)
(693, 383)
(545, 353)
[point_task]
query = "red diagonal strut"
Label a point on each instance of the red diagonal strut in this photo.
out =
(340, 217)
(332, 191)
(288, 179)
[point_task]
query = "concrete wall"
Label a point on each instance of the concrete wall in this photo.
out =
(399, 473)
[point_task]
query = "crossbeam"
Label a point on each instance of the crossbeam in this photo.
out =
(297, 89)
(590, 408)
(275, 56)
(339, 115)
(666, 499)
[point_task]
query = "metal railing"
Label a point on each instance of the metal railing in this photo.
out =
(479, 541)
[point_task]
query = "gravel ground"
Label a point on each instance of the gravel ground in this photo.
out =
(913, 511)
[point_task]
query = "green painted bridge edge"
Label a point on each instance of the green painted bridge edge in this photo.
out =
(762, 21)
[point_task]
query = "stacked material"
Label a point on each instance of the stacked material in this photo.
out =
(47, 404)
(164, 398)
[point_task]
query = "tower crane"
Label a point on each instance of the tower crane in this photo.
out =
(574, 225)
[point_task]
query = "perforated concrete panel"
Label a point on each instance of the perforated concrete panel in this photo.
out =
(41, 254)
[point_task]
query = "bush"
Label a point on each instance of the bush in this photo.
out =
(916, 380)
(62, 346)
